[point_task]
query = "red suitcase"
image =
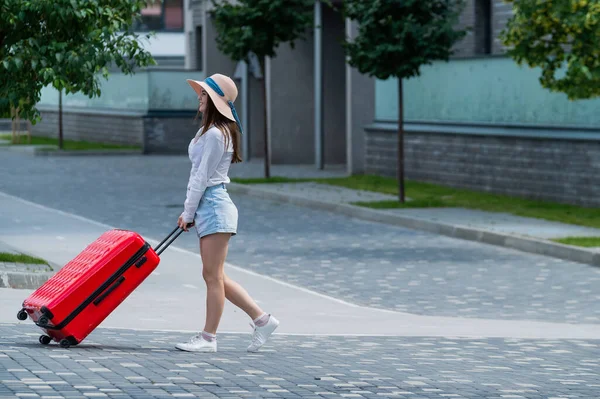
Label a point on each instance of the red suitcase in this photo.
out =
(73, 302)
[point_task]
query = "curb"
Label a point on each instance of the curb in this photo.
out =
(52, 151)
(20, 280)
(513, 241)
(57, 153)
(18, 277)
(27, 148)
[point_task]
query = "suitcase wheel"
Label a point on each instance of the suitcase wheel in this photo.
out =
(22, 315)
(67, 342)
(45, 340)
(42, 321)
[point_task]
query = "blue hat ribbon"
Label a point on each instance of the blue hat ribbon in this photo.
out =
(213, 85)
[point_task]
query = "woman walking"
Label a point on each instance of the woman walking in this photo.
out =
(208, 207)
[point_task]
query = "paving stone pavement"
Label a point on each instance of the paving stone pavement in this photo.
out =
(366, 263)
(327, 193)
(144, 364)
(500, 222)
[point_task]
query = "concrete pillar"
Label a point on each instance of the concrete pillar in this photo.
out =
(360, 111)
(214, 61)
(243, 93)
(333, 87)
(188, 29)
(292, 103)
(318, 84)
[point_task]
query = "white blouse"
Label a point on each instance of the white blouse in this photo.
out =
(210, 165)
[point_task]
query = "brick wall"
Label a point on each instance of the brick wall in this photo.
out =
(466, 47)
(550, 169)
(97, 127)
(501, 12)
(165, 133)
(6, 125)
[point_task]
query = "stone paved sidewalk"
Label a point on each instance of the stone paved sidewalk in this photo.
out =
(325, 192)
(144, 364)
(493, 221)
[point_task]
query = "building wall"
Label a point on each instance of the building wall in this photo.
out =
(169, 46)
(488, 125)
(360, 92)
(473, 18)
(492, 90)
(292, 103)
(549, 169)
(292, 95)
(501, 12)
(168, 133)
(95, 126)
(156, 132)
(217, 62)
(196, 20)
(466, 47)
(334, 87)
(6, 125)
(214, 60)
(256, 107)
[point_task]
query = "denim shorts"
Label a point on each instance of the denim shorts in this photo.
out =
(216, 212)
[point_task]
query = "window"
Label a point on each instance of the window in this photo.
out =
(161, 15)
(199, 48)
(483, 27)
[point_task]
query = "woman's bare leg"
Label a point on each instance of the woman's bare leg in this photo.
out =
(237, 295)
(213, 250)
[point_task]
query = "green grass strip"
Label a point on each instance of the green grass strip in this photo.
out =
(426, 195)
(21, 258)
(588, 242)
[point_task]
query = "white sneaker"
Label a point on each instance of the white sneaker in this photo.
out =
(198, 344)
(262, 334)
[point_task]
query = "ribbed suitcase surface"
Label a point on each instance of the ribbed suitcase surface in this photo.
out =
(88, 288)
(73, 273)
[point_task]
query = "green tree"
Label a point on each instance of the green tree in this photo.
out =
(259, 27)
(560, 37)
(395, 38)
(66, 44)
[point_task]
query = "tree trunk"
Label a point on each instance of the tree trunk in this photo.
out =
(400, 143)
(266, 132)
(60, 124)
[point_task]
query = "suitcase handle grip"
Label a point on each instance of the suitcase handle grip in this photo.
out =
(109, 290)
(170, 239)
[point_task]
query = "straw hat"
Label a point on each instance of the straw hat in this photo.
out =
(222, 92)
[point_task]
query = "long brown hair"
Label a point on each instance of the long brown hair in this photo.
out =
(228, 127)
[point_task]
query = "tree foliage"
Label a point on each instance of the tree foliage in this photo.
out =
(260, 26)
(396, 37)
(66, 44)
(561, 37)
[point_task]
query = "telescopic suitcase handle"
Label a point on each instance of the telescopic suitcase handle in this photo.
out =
(169, 239)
